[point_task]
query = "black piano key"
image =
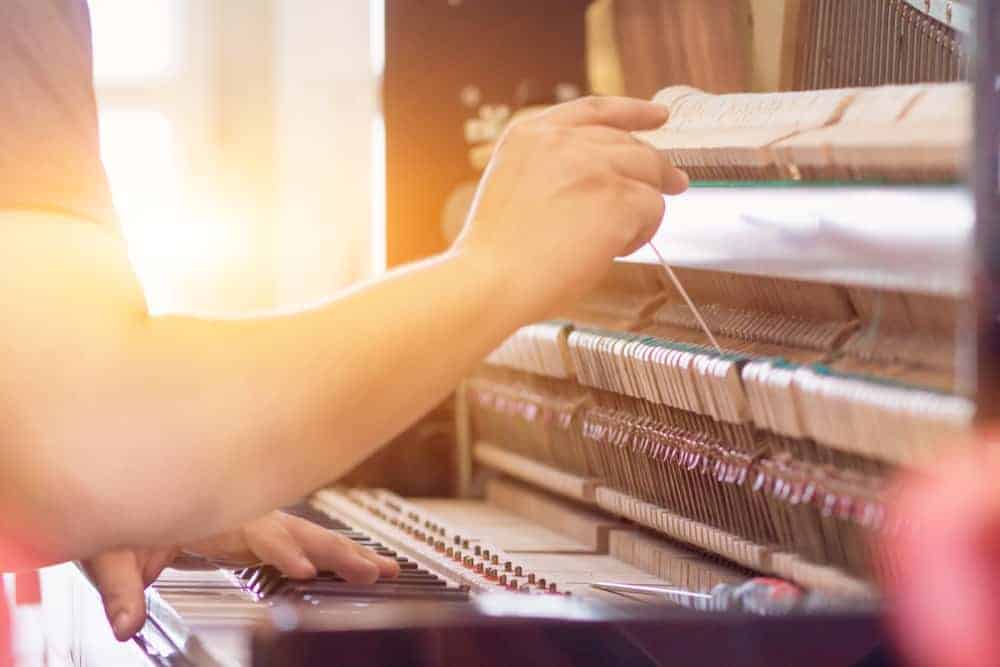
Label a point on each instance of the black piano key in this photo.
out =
(401, 580)
(330, 589)
(354, 535)
(310, 513)
(259, 575)
(272, 587)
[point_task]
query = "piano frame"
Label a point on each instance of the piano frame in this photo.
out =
(684, 637)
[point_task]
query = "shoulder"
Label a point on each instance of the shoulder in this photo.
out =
(49, 149)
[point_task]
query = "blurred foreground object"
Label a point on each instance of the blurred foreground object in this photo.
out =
(945, 595)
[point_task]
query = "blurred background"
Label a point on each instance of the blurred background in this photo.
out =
(242, 140)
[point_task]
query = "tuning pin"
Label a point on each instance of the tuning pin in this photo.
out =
(486, 554)
(541, 582)
(449, 552)
(465, 544)
(518, 571)
(457, 541)
(495, 559)
(479, 568)
(531, 577)
(503, 579)
(552, 587)
(508, 566)
(478, 550)
(513, 585)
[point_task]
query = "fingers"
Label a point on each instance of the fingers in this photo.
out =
(673, 181)
(271, 542)
(331, 551)
(623, 113)
(155, 563)
(297, 548)
(597, 134)
(649, 208)
(644, 164)
(630, 157)
(118, 576)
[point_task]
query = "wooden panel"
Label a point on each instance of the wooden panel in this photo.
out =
(515, 52)
(550, 479)
(987, 187)
(775, 31)
(692, 42)
(422, 461)
(584, 526)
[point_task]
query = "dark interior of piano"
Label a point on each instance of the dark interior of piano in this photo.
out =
(824, 244)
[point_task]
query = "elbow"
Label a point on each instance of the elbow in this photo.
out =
(69, 498)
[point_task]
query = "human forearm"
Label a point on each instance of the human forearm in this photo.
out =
(124, 430)
(296, 401)
(216, 421)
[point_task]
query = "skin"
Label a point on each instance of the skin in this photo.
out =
(297, 548)
(206, 424)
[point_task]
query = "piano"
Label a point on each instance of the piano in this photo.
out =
(612, 446)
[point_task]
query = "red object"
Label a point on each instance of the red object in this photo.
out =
(944, 592)
(6, 657)
(27, 589)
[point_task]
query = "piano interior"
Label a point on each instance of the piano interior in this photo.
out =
(823, 243)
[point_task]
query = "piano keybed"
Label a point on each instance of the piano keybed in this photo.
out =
(451, 553)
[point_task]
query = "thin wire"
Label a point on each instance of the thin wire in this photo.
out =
(687, 299)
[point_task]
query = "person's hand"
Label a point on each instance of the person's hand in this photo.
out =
(296, 547)
(567, 191)
(944, 595)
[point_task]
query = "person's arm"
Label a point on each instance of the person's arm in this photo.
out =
(119, 429)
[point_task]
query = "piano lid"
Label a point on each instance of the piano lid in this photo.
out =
(911, 238)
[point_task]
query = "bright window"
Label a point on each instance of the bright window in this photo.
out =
(140, 155)
(133, 40)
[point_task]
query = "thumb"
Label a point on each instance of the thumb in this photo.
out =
(118, 576)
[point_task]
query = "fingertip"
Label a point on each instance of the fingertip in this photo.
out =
(123, 625)
(368, 572)
(302, 568)
(652, 117)
(677, 182)
(388, 567)
(357, 569)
